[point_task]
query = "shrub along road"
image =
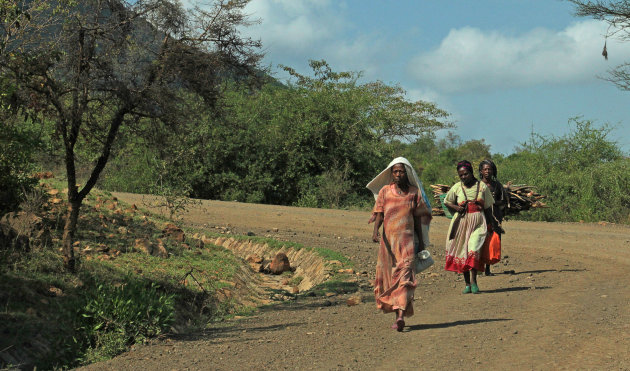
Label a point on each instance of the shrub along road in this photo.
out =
(560, 299)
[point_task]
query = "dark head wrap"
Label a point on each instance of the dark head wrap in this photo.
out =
(493, 167)
(465, 164)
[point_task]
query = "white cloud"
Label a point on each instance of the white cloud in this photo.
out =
(296, 25)
(469, 59)
(442, 101)
(427, 95)
(294, 31)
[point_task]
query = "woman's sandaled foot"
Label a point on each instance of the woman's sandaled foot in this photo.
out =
(400, 324)
(474, 288)
(467, 290)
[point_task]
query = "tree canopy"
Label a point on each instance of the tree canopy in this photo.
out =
(315, 141)
(94, 66)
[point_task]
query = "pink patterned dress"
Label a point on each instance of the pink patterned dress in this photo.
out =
(395, 277)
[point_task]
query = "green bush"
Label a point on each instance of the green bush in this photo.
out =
(259, 147)
(584, 175)
(16, 165)
(116, 316)
(134, 169)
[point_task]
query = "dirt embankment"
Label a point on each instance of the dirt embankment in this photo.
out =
(566, 305)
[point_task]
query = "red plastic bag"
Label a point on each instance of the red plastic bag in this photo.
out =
(491, 250)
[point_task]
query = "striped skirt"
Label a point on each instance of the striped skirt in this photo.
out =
(463, 252)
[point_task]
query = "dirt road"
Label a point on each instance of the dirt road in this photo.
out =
(565, 306)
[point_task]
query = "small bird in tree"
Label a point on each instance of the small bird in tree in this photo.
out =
(605, 52)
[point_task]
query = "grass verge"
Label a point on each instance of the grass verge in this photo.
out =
(120, 295)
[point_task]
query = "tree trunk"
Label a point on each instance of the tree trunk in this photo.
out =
(69, 230)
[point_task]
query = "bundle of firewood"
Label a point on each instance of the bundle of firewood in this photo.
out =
(438, 189)
(521, 197)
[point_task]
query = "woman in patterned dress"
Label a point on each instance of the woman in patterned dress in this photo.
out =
(471, 201)
(399, 208)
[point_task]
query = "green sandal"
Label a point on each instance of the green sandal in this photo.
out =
(474, 289)
(467, 290)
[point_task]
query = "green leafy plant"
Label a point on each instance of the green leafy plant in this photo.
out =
(116, 316)
(584, 174)
(16, 162)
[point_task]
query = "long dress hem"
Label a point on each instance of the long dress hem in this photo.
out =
(395, 281)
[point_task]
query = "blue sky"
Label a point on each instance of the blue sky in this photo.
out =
(502, 68)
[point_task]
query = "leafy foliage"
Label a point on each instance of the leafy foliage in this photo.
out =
(315, 142)
(436, 159)
(110, 303)
(95, 67)
(116, 316)
(17, 148)
(312, 144)
(583, 173)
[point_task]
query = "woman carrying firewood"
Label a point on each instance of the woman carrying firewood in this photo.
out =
(488, 175)
(471, 201)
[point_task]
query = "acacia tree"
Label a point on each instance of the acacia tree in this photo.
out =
(95, 66)
(320, 138)
(617, 15)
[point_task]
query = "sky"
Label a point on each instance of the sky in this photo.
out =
(502, 68)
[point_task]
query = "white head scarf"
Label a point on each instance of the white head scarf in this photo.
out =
(385, 178)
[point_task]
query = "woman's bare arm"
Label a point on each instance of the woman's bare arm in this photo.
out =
(378, 221)
(417, 226)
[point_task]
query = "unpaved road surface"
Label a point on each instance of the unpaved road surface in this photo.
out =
(566, 305)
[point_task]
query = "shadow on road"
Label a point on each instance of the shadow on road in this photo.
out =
(518, 288)
(428, 326)
(233, 331)
(300, 305)
(512, 272)
(315, 302)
